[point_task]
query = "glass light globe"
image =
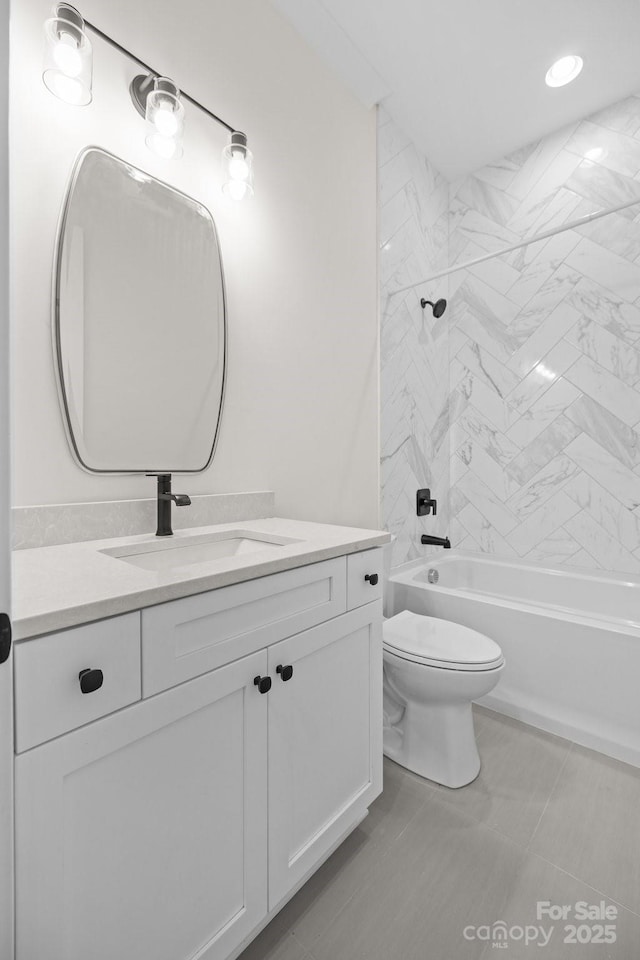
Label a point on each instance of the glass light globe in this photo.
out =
(67, 56)
(236, 189)
(164, 114)
(68, 59)
(165, 121)
(238, 167)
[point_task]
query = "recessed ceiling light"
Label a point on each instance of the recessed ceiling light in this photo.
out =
(563, 71)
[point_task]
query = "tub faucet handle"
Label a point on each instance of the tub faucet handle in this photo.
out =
(425, 504)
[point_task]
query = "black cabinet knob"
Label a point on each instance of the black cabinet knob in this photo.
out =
(90, 680)
(372, 578)
(262, 683)
(285, 672)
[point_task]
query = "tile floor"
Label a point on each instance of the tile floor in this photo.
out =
(545, 820)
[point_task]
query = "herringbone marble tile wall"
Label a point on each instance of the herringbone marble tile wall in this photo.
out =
(531, 380)
(414, 383)
(545, 352)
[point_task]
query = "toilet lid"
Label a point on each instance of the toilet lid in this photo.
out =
(439, 642)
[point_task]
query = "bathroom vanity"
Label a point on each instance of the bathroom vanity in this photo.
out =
(193, 737)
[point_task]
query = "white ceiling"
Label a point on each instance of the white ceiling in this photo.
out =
(465, 78)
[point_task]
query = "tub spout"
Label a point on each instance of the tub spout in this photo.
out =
(427, 539)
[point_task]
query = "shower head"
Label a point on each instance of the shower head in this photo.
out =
(438, 307)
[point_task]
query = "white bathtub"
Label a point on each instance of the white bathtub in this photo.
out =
(571, 641)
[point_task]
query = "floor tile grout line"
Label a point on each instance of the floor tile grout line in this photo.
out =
(551, 793)
(383, 851)
(586, 883)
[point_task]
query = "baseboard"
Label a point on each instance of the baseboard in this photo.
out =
(585, 738)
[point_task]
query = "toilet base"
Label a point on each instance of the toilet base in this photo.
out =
(436, 741)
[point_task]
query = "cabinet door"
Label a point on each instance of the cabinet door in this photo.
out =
(143, 836)
(325, 740)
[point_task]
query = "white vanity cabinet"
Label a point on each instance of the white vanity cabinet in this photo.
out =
(325, 753)
(143, 836)
(172, 828)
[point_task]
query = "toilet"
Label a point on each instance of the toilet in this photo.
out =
(433, 670)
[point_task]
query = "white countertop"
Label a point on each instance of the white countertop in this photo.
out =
(63, 586)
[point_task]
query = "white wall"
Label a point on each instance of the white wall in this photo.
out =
(6, 673)
(301, 413)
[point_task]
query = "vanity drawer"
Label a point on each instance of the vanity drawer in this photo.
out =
(185, 638)
(48, 697)
(369, 563)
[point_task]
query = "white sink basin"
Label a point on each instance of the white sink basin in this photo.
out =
(185, 551)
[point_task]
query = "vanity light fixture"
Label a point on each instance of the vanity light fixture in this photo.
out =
(157, 99)
(563, 71)
(68, 60)
(68, 72)
(238, 162)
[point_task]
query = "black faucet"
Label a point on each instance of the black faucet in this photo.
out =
(164, 504)
(436, 541)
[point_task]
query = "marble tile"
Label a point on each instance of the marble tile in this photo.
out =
(607, 550)
(473, 456)
(487, 200)
(553, 365)
(611, 148)
(614, 232)
(539, 526)
(457, 501)
(606, 470)
(500, 173)
(484, 366)
(496, 273)
(621, 117)
(621, 400)
(606, 510)
(536, 160)
(391, 140)
(551, 255)
(603, 187)
(548, 334)
(611, 352)
(607, 309)
(487, 234)
(536, 455)
(550, 405)
(606, 268)
(557, 548)
(545, 190)
(560, 208)
(544, 483)
(583, 559)
(622, 441)
(496, 410)
(486, 536)
(415, 399)
(488, 333)
(492, 441)
(393, 176)
(487, 502)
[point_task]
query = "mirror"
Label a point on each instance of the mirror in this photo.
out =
(140, 328)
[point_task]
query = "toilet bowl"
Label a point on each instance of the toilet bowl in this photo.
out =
(433, 670)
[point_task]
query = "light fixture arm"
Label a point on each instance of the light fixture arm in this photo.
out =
(143, 84)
